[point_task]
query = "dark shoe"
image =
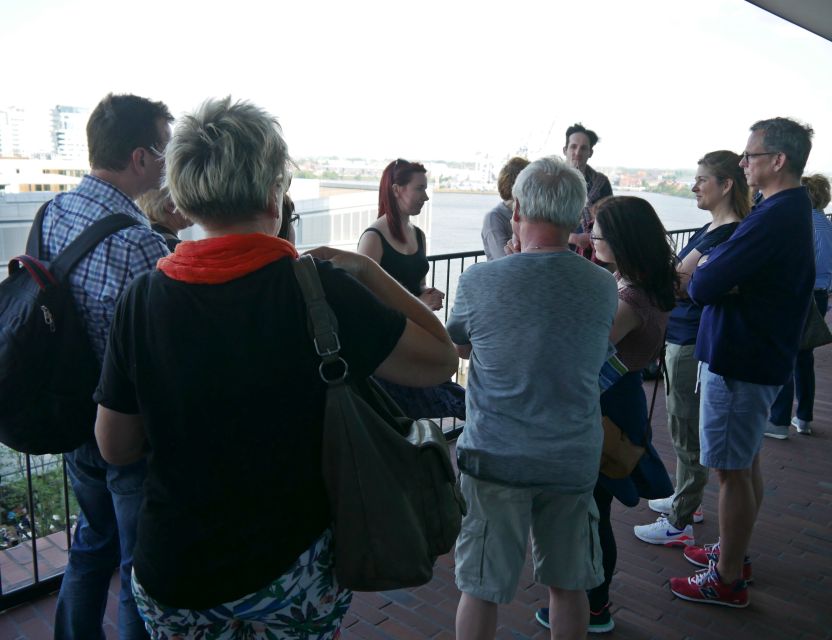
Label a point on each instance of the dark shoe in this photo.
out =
(599, 622)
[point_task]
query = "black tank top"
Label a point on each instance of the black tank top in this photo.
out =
(408, 270)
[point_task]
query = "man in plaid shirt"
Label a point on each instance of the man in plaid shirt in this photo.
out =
(127, 136)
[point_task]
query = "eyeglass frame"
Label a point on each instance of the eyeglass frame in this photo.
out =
(595, 238)
(745, 156)
(160, 155)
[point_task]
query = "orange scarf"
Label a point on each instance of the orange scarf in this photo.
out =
(218, 260)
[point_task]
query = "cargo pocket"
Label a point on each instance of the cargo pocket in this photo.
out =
(470, 550)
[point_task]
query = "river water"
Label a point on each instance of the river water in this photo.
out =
(457, 217)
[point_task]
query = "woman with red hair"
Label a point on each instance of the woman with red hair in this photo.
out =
(392, 240)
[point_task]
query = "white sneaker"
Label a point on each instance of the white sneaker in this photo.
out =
(776, 431)
(664, 533)
(803, 426)
(663, 505)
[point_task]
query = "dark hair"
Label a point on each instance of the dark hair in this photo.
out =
(788, 137)
(286, 218)
(641, 247)
(508, 174)
(398, 172)
(119, 125)
(818, 187)
(579, 128)
(725, 165)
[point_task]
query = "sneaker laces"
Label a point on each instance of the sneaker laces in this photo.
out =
(703, 576)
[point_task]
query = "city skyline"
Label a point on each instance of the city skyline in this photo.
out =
(662, 83)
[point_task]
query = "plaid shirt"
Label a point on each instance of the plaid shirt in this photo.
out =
(99, 278)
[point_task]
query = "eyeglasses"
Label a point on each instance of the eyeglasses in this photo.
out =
(294, 218)
(595, 238)
(747, 156)
(160, 155)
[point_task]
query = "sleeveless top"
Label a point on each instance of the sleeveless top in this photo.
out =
(641, 346)
(407, 269)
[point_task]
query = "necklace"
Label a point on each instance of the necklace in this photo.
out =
(547, 247)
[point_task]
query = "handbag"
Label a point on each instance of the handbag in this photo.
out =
(393, 494)
(619, 456)
(815, 332)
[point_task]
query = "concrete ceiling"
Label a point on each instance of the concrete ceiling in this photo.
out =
(812, 15)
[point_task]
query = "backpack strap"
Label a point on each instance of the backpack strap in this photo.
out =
(33, 242)
(87, 241)
(321, 321)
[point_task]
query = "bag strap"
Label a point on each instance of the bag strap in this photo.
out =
(33, 242)
(87, 241)
(322, 324)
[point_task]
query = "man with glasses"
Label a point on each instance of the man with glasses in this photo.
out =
(755, 289)
(127, 136)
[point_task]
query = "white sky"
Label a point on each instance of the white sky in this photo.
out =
(661, 81)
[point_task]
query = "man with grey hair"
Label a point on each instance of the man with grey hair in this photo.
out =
(535, 326)
(127, 136)
(756, 289)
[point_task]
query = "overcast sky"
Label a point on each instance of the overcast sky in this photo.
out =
(662, 82)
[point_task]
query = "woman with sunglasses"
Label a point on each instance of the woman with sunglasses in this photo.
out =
(393, 240)
(398, 246)
(629, 236)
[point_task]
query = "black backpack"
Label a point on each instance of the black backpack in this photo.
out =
(48, 370)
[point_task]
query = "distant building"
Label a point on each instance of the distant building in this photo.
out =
(42, 133)
(69, 132)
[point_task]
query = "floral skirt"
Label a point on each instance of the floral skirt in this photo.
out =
(305, 603)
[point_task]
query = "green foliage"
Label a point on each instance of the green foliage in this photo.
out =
(47, 496)
(672, 189)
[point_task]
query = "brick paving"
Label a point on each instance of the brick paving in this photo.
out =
(791, 550)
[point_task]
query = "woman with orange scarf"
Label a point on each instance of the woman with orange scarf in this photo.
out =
(210, 372)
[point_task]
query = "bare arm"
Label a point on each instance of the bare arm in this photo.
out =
(626, 320)
(424, 355)
(120, 436)
(370, 245)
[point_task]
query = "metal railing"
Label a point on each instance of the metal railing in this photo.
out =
(31, 555)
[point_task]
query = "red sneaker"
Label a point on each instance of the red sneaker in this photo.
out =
(708, 553)
(706, 586)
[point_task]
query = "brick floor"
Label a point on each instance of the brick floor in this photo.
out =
(791, 549)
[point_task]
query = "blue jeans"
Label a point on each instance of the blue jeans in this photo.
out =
(801, 384)
(110, 498)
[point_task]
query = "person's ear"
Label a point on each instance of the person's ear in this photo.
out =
(591, 151)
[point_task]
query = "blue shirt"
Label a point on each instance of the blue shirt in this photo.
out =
(683, 324)
(99, 278)
(751, 333)
(823, 250)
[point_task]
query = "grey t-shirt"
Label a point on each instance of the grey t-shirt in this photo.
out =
(539, 326)
(496, 231)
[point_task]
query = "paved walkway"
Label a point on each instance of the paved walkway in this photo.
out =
(791, 550)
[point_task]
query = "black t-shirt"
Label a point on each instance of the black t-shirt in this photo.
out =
(226, 379)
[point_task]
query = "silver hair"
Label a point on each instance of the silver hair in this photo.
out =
(226, 162)
(549, 190)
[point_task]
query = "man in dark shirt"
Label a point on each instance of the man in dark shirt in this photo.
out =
(755, 288)
(578, 149)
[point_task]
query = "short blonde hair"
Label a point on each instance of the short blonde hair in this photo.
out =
(226, 161)
(153, 203)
